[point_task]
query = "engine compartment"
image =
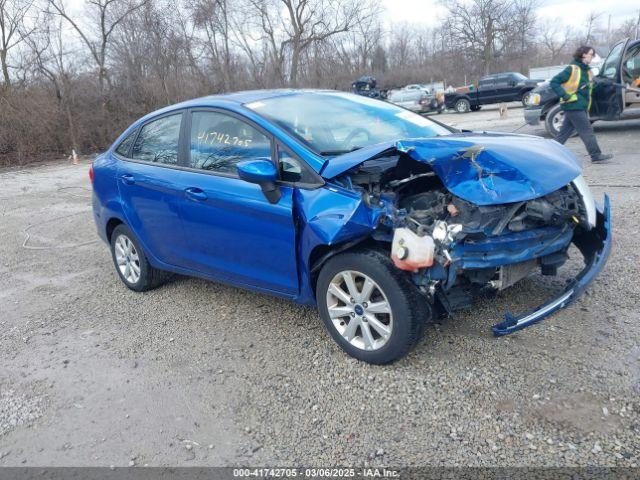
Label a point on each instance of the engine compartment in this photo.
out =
(415, 198)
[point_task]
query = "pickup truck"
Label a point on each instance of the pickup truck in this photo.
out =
(497, 88)
(616, 91)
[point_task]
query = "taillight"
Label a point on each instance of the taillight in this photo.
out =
(91, 173)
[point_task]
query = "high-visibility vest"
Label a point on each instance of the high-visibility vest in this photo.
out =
(571, 85)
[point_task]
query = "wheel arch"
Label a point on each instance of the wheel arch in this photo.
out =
(546, 107)
(322, 253)
(111, 226)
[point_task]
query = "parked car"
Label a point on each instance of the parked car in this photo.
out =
(497, 88)
(379, 216)
(367, 87)
(609, 100)
(416, 99)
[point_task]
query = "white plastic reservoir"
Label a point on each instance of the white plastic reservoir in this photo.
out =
(411, 252)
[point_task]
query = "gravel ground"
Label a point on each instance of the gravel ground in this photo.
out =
(198, 373)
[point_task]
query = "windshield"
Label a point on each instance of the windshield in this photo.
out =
(332, 123)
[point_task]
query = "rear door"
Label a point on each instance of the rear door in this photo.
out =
(150, 190)
(232, 230)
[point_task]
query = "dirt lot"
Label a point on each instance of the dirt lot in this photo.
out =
(198, 373)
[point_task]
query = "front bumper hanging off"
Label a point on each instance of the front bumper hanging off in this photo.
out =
(595, 246)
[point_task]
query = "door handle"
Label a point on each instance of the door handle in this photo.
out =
(195, 194)
(127, 179)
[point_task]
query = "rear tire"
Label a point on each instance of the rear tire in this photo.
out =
(462, 105)
(377, 289)
(131, 262)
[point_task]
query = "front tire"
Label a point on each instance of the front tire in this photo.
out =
(131, 262)
(554, 120)
(370, 308)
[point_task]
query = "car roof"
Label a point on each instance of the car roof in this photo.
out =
(233, 99)
(248, 96)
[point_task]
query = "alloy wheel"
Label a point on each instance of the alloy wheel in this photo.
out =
(127, 259)
(557, 121)
(359, 310)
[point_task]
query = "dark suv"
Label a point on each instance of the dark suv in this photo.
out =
(496, 88)
(609, 100)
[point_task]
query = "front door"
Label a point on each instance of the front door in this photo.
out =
(233, 232)
(630, 74)
(486, 91)
(607, 97)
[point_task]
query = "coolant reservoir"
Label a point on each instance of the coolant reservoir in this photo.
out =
(411, 252)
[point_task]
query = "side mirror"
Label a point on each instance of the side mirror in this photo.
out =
(263, 172)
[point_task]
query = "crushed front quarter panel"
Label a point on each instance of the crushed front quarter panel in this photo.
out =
(327, 217)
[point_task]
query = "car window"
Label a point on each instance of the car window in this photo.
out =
(158, 141)
(485, 84)
(609, 68)
(631, 65)
(293, 170)
(503, 81)
(219, 141)
(125, 145)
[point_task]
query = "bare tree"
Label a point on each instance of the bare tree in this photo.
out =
(12, 14)
(591, 25)
(522, 29)
(287, 28)
(106, 15)
(214, 17)
(49, 54)
(479, 27)
(554, 39)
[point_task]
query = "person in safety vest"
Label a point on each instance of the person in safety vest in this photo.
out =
(574, 85)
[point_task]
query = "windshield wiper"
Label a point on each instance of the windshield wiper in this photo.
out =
(339, 152)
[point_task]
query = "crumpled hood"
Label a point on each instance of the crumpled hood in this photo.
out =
(482, 168)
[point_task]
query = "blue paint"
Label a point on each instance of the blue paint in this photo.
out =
(507, 168)
(257, 171)
(511, 248)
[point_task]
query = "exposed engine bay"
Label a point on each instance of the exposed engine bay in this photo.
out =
(453, 247)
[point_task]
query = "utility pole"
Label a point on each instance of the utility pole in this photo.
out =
(638, 25)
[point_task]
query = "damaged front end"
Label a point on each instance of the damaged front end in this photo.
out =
(470, 214)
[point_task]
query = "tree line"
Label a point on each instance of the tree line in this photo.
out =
(74, 79)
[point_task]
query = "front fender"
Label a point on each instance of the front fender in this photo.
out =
(328, 217)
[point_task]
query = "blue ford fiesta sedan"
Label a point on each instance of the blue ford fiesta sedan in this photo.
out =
(380, 217)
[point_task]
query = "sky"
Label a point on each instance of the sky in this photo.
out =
(428, 12)
(570, 12)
